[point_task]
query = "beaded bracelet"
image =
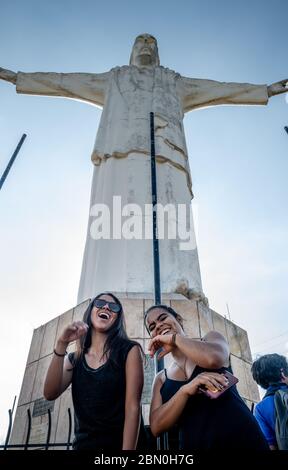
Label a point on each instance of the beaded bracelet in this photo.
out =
(59, 355)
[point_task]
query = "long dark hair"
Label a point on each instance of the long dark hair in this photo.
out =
(116, 335)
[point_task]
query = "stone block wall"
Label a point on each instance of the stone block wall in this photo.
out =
(198, 320)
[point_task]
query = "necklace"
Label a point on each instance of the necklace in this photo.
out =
(183, 368)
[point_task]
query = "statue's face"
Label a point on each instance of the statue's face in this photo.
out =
(145, 51)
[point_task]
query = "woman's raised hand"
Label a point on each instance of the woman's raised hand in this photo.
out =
(161, 341)
(73, 332)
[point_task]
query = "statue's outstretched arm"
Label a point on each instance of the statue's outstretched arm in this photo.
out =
(83, 86)
(199, 93)
(278, 87)
(8, 75)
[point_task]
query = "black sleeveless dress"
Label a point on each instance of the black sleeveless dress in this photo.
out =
(214, 424)
(99, 402)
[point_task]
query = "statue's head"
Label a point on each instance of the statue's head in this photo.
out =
(145, 51)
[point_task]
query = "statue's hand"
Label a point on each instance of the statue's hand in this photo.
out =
(278, 88)
(8, 75)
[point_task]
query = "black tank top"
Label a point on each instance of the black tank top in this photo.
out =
(99, 402)
(213, 424)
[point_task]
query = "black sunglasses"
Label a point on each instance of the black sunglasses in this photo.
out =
(111, 305)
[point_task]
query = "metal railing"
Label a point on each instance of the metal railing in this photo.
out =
(43, 445)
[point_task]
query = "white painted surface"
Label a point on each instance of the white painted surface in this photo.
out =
(122, 164)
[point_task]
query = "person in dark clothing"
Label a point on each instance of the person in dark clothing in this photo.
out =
(106, 373)
(202, 423)
(271, 373)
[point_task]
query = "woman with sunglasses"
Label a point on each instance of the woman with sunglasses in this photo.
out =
(106, 373)
(179, 398)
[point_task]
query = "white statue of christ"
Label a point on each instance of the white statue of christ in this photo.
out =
(121, 160)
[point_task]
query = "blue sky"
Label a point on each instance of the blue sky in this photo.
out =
(238, 159)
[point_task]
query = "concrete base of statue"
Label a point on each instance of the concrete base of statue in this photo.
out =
(198, 320)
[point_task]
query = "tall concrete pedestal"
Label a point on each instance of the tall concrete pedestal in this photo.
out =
(198, 320)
